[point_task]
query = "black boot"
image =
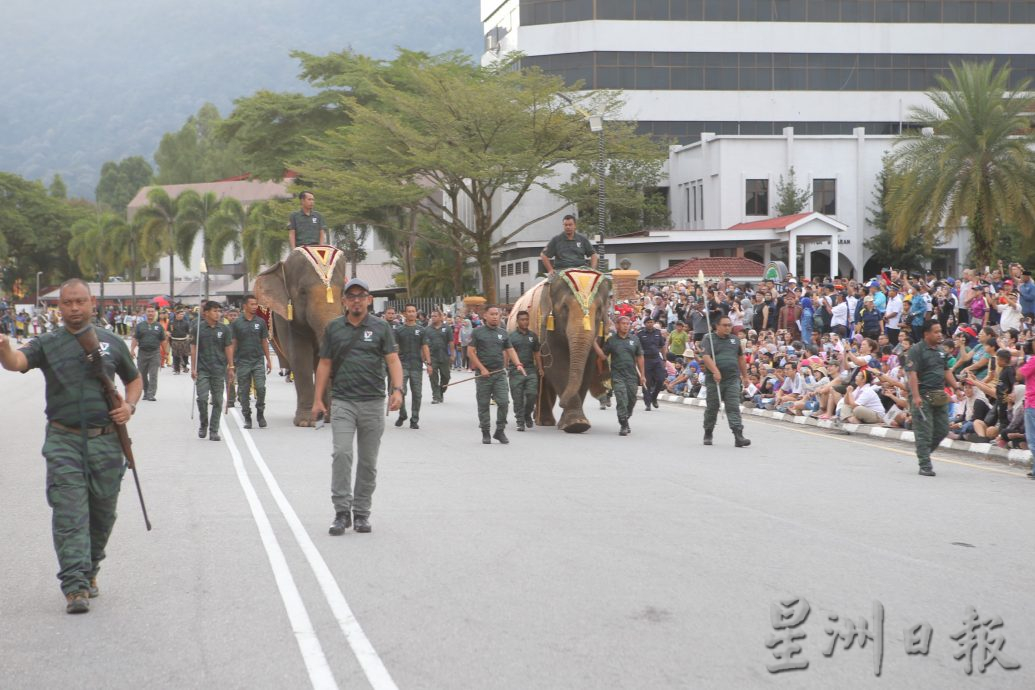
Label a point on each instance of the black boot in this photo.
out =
(707, 437)
(203, 411)
(260, 418)
(528, 422)
(402, 418)
(624, 431)
(738, 439)
(500, 436)
(247, 417)
(520, 426)
(486, 439)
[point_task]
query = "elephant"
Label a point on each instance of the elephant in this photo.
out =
(566, 333)
(310, 280)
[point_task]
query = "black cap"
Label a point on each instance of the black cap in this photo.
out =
(356, 282)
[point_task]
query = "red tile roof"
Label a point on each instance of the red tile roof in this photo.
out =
(712, 267)
(771, 223)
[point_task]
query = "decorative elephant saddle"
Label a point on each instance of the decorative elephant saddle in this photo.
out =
(584, 283)
(323, 260)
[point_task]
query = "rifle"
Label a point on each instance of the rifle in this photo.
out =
(91, 345)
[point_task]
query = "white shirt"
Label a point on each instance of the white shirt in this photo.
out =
(867, 397)
(839, 315)
(894, 307)
(1009, 317)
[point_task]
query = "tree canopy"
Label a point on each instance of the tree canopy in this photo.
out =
(197, 153)
(121, 181)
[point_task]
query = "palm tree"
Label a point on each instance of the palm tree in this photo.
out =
(226, 229)
(977, 168)
(351, 240)
(94, 247)
(158, 223)
(435, 274)
(265, 234)
(197, 211)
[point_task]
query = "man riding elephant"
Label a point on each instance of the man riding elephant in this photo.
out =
(569, 249)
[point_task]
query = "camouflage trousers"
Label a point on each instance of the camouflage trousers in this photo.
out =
(247, 376)
(149, 362)
(730, 388)
(929, 429)
(523, 390)
(181, 354)
(211, 384)
(494, 387)
(83, 481)
(439, 378)
(624, 388)
(413, 382)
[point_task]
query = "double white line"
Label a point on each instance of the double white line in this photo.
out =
(320, 673)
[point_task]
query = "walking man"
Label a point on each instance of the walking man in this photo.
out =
(306, 226)
(654, 352)
(929, 374)
(84, 459)
(250, 348)
(179, 334)
(725, 368)
(524, 387)
(627, 371)
(357, 349)
(440, 344)
(412, 339)
(146, 345)
(569, 249)
(211, 349)
(489, 352)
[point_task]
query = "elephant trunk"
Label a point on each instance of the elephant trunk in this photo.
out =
(580, 345)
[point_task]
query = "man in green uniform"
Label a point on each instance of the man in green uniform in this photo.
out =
(929, 374)
(306, 226)
(627, 371)
(569, 249)
(489, 352)
(211, 349)
(84, 459)
(179, 334)
(525, 386)
(440, 344)
(230, 318)
(250, 347)
(357, 349)
(146, 346)
(725, 367)
(412, 339)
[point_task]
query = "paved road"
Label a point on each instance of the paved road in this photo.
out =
(559, 561)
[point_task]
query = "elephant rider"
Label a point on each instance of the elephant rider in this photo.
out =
(654, 351)
(211, 349)
(489, 352)
(569, 249)
(725, 367)
(179, 334)
(306, 226)
(524, 387)
(250, 346)
(627, 372)
(440, 343)
(412, 338)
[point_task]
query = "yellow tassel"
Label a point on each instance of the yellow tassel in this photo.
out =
(600, 331)
(549, 322)
(330, 295)
(291, 311)
(586, 324)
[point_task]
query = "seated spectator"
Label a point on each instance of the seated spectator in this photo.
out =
(862, 404)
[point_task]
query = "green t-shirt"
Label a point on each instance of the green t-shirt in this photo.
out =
(623, 353)
(359, 375)
(565, 253)
(212, 347)
(929, 364)
(411, 341)
(74, 395)
(307, 228)
(727, 352)
(525, 345)
(248, 339)
(439, 340)
(489, 344)
(149, 336)
(677, 343)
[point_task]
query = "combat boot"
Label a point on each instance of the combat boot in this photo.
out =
(77, 602)
(247, 417)
(203, 411)
(260, 417)
(486, 438)
(528, 422)
(520, 426)
(94, 591)
(342, 521)
(500, 436)
(624, 431)
(738, 439)
(401, 418)
(707, 437)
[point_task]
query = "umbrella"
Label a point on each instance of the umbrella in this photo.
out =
(161, 301)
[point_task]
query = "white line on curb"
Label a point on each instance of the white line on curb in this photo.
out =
(320, 673)
(368, 659)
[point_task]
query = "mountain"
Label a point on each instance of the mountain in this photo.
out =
(84, 83)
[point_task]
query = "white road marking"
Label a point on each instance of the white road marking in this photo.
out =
(368, 659)
(320, 674)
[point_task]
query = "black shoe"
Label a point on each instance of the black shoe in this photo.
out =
(214, 436)
(648, 408)
(414, 425)
(342, 521)
(520, 426)
(739, 440)
(363, 524)
(435, 402)
(486, 439)
(926, 471)
(500, 436)
(247, 421)
(1031, 475)
(260, 418)
(401, 418)
(624, 431)
(203, 431)
(707, 437)
(528, 422)
(654, 403)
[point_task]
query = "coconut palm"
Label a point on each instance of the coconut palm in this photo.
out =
(976, 168)
(197, 211)
(95, 247)
(226, 229)
(158, 222)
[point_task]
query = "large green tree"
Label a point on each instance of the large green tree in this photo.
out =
(158, 223)
(197, 153)
(463, 145)
(976, 169)
(198, 213)
(265, 234)
(121, 181)
(95, 246)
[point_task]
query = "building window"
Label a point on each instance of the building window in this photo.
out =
(503, 270)
(824, 197)
(522, 287)
(673, 262)
(524, 268)
(757, 198)
(689, 217)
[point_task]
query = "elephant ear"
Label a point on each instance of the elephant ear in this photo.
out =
(271, 290)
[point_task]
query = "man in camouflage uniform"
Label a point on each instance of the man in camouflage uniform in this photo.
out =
(929, 374)
(146, 346)
(627, 369)
(524, 387)
(230, 319)
(211, 349)
(440, 344)
(489, 352)
(179, 334)
(412, 339)
(725, 367)
(84, 459)
(250, 347)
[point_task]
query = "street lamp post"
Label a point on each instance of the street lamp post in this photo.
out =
(38, 274)
(596, 124)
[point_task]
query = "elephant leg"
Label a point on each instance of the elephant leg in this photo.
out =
(544, 406)
(573, 419)
(303, 367)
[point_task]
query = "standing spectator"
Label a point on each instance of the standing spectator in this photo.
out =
(1027, 301)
